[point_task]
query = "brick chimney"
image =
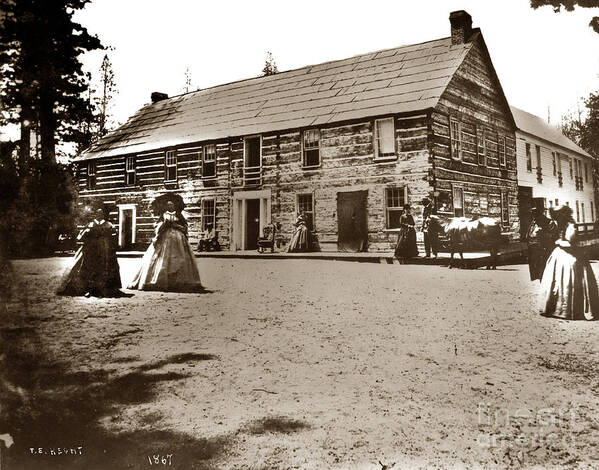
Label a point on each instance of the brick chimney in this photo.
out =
(461, 26)
(157, 96)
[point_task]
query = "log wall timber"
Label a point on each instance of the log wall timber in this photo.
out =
(484, 171)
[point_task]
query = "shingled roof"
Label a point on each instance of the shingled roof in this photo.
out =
(393, 81)
(536, 126)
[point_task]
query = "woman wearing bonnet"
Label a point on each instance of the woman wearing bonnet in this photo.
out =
(568, 286)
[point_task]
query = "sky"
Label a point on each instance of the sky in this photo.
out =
(545, 61)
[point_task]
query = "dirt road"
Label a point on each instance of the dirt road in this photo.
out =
(298, 364)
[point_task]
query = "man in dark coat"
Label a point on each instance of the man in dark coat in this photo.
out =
(430, 228)
(540, 236)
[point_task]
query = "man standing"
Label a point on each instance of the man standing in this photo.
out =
(430, 229)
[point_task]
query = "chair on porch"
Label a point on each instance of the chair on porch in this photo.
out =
(268, 240)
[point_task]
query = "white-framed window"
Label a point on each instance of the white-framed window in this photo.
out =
(505, 208)
(458, 201)
(384, 138)
(577, 212)
(395, 199)
(501, 149)
(305, 204)
(554, 160)
(456, 138)
(528, 158)
(208, 213)
(170, 165)
(209, 161)
(311, 147)
(130, 170)
(91, 175)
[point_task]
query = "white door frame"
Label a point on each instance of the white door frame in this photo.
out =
(240, 212)
(122, 209)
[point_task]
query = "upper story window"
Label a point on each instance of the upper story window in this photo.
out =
(305, 204)
(480, 145)
(539, 167)
(384, 138)
(458, 201)
(505, 209)
(586, 172)
(395, 199)
(311, 147)
(571, 169)
(501, 150)
(456, 139)
(170, 166)
(253, 152)
(91, 175)
(130, 170)
(528, 158)
(209, 161)
(553, 159)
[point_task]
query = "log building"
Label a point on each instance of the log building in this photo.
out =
(348, 142)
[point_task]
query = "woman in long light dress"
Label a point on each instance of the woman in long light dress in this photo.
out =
(169, 263)
(568, 286)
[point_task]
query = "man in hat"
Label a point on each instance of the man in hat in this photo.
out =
(540, 237)
(430, 228)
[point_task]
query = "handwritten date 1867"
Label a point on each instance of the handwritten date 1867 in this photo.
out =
(160, 459)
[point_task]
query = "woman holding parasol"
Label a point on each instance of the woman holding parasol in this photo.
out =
(168, 264)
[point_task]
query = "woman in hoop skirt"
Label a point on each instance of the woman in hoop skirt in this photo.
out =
(568, 286)
(301, 240)
(169, 264)
(94, 270)
(406, 242)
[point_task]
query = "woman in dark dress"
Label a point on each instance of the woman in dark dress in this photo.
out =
(94, 270)
(301, 239)
(540, 237)
(568, 287)
(406, 243)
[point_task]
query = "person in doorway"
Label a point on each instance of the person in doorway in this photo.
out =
(568, 286)
(169, 263)
(540, 238)
(406, 243)
(94, 270)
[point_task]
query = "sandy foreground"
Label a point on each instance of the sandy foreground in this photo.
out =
(297, 364)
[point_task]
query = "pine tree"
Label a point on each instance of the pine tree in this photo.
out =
(270, 66)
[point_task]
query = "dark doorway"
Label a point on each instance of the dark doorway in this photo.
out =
(352, 222)
(127, 229)
(252, 223)
(525, 204)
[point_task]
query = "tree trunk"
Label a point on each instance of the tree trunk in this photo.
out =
(24, 144)
(47, 127)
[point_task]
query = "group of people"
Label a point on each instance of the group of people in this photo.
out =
(557, 259)
(167, 265)
(406, 242)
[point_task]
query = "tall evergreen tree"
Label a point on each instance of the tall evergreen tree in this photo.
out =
(42, 76)
(270, 66)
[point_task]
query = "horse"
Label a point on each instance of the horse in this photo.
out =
(465, 233)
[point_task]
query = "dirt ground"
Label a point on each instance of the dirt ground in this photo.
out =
(297, 364)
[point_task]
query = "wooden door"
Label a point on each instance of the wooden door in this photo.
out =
(252, 223)
(352, 221)
(525, 204)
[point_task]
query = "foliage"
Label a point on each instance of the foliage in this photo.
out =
(583, 125)
(270, 66)
(41, 75)
(569, 5)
